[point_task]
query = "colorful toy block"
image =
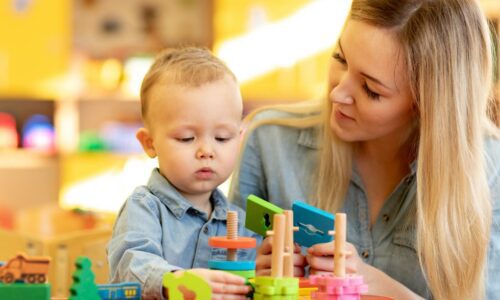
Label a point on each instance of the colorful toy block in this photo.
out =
(188, 280)
(83, 287)
(23, 291)
(29, 269)
(232, 242)
(120, 291)
(313, 224)
(338, 286)
(260, 214)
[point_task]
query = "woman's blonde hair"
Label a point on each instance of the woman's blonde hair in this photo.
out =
(448, 57)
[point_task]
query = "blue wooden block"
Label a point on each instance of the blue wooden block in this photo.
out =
(231, 265)
(120, 291)
(313, 224)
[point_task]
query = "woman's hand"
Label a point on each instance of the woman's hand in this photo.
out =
(224, 285)
(320, 259)
(264, 259)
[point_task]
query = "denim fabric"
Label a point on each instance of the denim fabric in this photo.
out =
(277, 164)
(158, 231)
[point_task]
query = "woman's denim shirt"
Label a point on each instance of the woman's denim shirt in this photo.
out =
(158, 231)
(277, 165)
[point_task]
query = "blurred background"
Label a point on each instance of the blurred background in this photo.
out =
(70, 72)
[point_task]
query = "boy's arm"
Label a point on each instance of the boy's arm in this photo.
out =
(135, 251)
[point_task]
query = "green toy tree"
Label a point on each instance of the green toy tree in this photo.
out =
(83, 287)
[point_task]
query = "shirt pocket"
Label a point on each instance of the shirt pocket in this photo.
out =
(403, 264)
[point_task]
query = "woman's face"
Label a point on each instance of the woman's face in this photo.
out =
(370, 93)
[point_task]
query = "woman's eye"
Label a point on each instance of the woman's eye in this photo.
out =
(185, 140)
(340, 59)
(371, 94)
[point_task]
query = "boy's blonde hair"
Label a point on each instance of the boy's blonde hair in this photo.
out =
(187, 66)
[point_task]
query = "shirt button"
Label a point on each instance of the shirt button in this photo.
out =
(365, 254)
(205, 230)
(385, 217)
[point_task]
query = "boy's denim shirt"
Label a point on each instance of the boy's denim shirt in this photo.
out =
(158, 231)
(277, 165)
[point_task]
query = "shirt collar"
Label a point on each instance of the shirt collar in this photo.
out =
(309, 137)
(179, 205)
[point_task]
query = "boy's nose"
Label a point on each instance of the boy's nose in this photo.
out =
(204, 153)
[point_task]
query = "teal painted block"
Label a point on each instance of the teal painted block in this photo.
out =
(24, 291)
(259, 214)
(313, 224)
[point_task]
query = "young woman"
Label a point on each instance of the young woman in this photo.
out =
(403, 145)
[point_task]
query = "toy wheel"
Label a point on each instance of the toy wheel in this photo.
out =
(31, 278)
(40, 278)
(239, 243)
(9, 278)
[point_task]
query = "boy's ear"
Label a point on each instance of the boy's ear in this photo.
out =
(144, 137)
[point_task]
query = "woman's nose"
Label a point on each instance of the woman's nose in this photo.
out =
(340, 96)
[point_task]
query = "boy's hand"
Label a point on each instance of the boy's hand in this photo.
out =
(223, 284)
(320, 259)
(264, 259)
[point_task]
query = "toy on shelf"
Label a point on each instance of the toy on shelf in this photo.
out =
(189, 281)
(313, 224)
(125, 290)
(232, 242)
(23, 268)
(83, 287)
(260, 214)
(339, 286)
(23, 277)
(281, 284)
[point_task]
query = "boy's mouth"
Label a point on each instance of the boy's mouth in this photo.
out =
(204, 173)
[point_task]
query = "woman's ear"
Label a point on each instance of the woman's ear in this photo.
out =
(145, 138)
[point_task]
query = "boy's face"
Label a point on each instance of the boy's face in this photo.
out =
(195, 133)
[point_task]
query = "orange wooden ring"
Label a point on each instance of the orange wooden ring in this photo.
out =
(239, 243)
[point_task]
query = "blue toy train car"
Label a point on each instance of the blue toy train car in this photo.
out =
(120, 291)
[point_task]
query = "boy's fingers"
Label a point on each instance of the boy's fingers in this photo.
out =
(226, 278)
(225, 288)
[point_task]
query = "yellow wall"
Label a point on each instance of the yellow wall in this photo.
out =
(35, 46)
(304, 80)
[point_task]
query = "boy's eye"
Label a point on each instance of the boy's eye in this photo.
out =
(185, 140)
(222, 139)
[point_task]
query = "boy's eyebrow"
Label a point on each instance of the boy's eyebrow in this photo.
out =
(364, 74)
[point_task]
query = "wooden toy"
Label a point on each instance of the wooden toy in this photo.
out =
(289, 245)
(23, 291)
(232, 242)
(260, 214)
(30, 269)
(339, 286)
(83, 287)
(313, 224)
(188, 280)
(124, 290)
(279, 285)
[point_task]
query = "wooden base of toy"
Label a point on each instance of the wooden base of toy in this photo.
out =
(22, 291)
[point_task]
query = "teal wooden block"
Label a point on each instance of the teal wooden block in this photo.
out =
(259, 214)
(24, 291)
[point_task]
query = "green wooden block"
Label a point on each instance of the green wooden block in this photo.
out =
(190, 281)
(24, 291)
(259, 215)
(276, 286)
